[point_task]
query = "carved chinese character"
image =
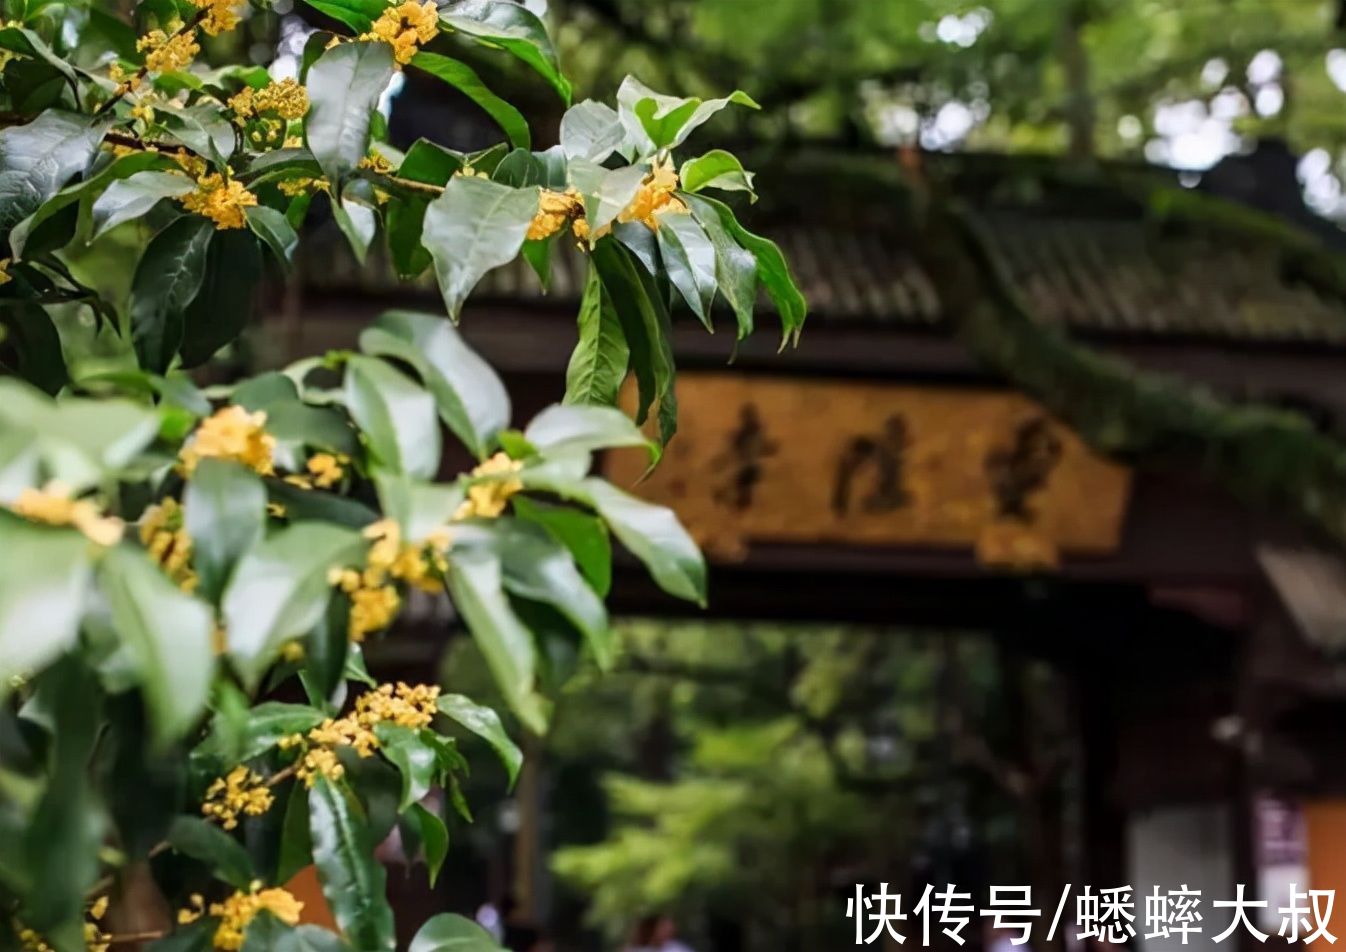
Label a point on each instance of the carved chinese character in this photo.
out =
(879, 457)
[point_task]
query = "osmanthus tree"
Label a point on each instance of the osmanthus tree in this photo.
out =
(188, 574)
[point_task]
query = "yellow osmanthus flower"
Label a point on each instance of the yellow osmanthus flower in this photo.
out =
(167, 52)
(655, 196)
(56, 505)
(241, 792)
(487, 499)
(221, 15)
(302, 186)
(376, 163)
(237, 912)
(5, 276)
(287, 99)
(220, 199)
(165, 537)
(232, 433)
(373, 592)
(411, 706)
(553, 211)
(324, 471)
(95, 939)
(143, 111)
(406, 27)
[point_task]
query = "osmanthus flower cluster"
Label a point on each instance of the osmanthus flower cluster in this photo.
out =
(188, 577)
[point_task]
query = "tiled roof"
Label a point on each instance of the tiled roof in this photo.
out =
(1100, 275)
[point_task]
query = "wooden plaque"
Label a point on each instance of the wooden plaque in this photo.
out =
(762, 459)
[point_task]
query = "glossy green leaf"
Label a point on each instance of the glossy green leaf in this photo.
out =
(358, 223)
(771, 267)
(689, 260)
(419, 508)
(716, 169)
(591, 131)
(513, 28)
(464, 79)
(656, 121)
(344, 87)
(646, 327)
(485, 723)
(266, 724)
(359, 15)
(224, 512)
(433, 836)
(133, 197)
(735, 266)
(476, 585)
(475, 226)
(225, 856)
(266, 933)
(566, 428)
(169, 634)
(598, 364)
(606, 192)
(44, 575)
(430, 162)
(202, 129)
(416, 760)
(585, 535)
(296, 840)
(279, 589)
(448, 932)
(353, 880)
(651, 533)
(470, 397)
(398, 418)
(37, 158)
(195, 937)
(167, 278)
(273, 228)
(220, 309)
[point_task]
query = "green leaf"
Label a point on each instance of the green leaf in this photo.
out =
(566, 428)
(194, 837)
(475, 226)
(167, 278)
(416, 760)
(418, 508)
(655, 121)
(344, 86)
(606, 192)
(403, 221)
(521, 168)
(224, 512)
(397, 417)
(510, 27)
(464, 79)
(591, 131)
(29, 229)
(203, 130)
(220, 309)
(433, 836)
(716, 169)
(539, 568)
(16, 39)
(772, 269)
(476, 585)
(296, 842)
(651, 533)
(430, 162)
(44, 575)
(471, 399)
(35, 343)
(358, 223)
(586, 537)
(169, 634)
(133, 197)
(645, 325)
(266, 933)
(448, 932)
(197, 937)
(485, 723)
(359, 15)
(273, 228)
(689, 260)
(268, 723)
(279, 590)
(353, 881)
(598, 364)
(36, 159)
(735, 266)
